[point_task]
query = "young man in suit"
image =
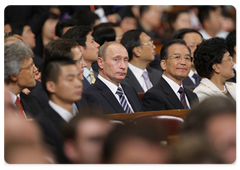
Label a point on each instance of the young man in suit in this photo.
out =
(61, 79)
(141, 52)
(19, 73)
(89, 48)
(169, 93)
(108, 92)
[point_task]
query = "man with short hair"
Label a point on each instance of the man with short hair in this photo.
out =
(89, 48)
(61, 80)
(141, 51)
(169, 93)
(19, 73)
(108, 92)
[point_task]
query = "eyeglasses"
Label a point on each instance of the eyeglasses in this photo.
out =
(148, 43)
(178, 57)
(30, 67)
(229, 59)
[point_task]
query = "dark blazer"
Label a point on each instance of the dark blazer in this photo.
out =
(188, 83)
(130, 79)
(52, 124)
(85, 82)
(30, 106)
(162, 97)
(39, 94)
(99, 94)
(234, 78)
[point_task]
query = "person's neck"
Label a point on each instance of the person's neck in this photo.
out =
(147, 27)
(234, 58)
(178, 81)
(211, 33)
(89, 64)
(139, 64)
(107, 78)
(218, 82)
(46, 40)
(13, 88)
(66, 106)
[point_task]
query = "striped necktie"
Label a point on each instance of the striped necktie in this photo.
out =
(182, 97)
(123, 101)
(92, 77)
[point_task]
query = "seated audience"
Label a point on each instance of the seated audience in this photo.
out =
(232, 48)
(214, 64)
(169, 93)
(192, 38)
(141, 52)
(107, 91)
(64, 25)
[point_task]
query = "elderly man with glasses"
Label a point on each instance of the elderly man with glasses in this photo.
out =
(169, 93)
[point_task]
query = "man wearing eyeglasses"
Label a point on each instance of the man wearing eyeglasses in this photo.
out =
(169, 93)
(141, 51)
(19, 73)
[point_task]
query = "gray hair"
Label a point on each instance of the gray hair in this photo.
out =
(14, 55)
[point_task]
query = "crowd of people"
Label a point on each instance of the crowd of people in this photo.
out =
(67, 67)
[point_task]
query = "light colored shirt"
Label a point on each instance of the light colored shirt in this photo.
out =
(220, 34)
(86, 74)
(175, 87)
(66, 115)
(137, 72)
(113, 89)
(14, 98)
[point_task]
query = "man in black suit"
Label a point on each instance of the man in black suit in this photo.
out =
(141, 52)
(19, 73)
(107, 90)
(89, 48)
(61, 80)
(169, 93)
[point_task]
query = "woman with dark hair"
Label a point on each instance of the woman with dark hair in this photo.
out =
(214, 64)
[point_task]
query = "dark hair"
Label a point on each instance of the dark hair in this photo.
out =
(85, 17)
(204, 12)
(207, 53)
(106, 24)
(142, 9)
(52, 69)
(199, 115)
(164, 50)
(78, 34)
(180, 33)
(64, 23)
(131, 39)
(174, 15)
(104, 34)
(18, 26)
(231, 42)
(60, 47)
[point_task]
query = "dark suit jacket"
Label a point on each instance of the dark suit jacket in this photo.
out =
(52, 124)
(30, 106)
(234, 78)
(39, 94)
(130, 79)
(99, 94)
(188, 83)
(162, 97)
(85, 82)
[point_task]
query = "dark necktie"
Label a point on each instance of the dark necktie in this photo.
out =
(20, 108)
(123, 101)
(182, 97)
(147, 80)
(197, 78)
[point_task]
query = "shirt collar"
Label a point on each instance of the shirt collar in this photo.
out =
(109, 84)
(172, 84)
(14, 97)
(86, 71)
(66, 115)
(136, 71)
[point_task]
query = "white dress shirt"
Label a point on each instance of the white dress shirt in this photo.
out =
(86, 74)
(14, 98)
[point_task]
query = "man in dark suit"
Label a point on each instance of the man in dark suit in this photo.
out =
(169, 93)
(61, 80)
(19, 73)
(89, 48)
(141, 52)
(107, 91)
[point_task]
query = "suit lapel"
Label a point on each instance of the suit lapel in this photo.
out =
(132, 80)
(153, 76)
(109, 96)
(171, 96)
(131, 99)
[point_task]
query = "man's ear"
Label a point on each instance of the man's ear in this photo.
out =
(163, 64)
(136, 52)
(216, 68)
(50, 86)
(81, 48)
(100, 62)
(14, 78)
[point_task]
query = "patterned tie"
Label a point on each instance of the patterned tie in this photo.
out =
(20, 108)
(182, 97)
(123, 101)
(197, 78)
(92, 77)
(147, 80)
